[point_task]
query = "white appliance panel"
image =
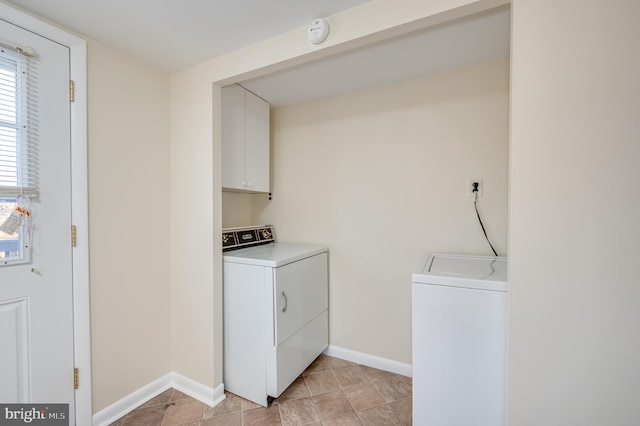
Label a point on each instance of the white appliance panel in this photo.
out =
(459, 347)
(244, 331)
(301, 294)
(266, 349)
(296, 353)
(479, 272)
(274, 255)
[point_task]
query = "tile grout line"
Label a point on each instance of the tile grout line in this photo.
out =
(204, 410)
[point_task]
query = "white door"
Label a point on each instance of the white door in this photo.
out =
(36, 307)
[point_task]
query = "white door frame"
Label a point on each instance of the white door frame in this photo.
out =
(79, 198)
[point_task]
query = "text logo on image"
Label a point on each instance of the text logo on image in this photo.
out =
(34, 414)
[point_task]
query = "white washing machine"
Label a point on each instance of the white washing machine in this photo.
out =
(459, 341)
(276, 311)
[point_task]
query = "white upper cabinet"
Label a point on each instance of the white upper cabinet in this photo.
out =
(245, 141)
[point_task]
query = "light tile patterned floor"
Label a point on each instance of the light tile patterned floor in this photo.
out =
(330, 392)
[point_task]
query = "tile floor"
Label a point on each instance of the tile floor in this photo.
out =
(330, 392)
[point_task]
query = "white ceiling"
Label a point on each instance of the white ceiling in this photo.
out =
(175, 34)
(472, 40)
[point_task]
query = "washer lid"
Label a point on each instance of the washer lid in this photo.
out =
(477, 272)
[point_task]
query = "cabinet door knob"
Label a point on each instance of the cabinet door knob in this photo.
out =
(286, 302)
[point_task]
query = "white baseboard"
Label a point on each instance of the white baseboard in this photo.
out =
(370, 360)
(195, 390)
(189, 387)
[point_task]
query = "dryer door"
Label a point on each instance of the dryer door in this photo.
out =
(300, 293)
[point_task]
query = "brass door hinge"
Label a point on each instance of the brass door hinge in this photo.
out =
(75, 378)
(72, 91)
(73, 236)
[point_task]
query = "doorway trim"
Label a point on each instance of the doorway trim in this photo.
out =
(79, 198)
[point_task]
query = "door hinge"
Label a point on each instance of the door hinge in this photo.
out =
(73, 236)
(72, 91)
(75, 378)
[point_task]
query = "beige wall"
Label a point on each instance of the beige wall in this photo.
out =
(574, 235)
(128, 137)
(237, 209)
(192, 253)
(380, 177)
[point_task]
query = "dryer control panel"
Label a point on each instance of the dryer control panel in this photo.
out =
(236, 238)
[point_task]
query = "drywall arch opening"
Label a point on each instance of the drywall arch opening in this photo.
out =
(195, 124)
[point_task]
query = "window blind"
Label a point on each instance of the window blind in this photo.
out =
(18, 144)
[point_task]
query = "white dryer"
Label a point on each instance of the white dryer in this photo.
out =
(459, 341)
(275, 311)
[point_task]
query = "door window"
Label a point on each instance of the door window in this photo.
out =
(18, 149)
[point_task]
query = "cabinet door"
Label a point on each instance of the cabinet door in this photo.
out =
(233, 137)
(301, 294)
(256, 143)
